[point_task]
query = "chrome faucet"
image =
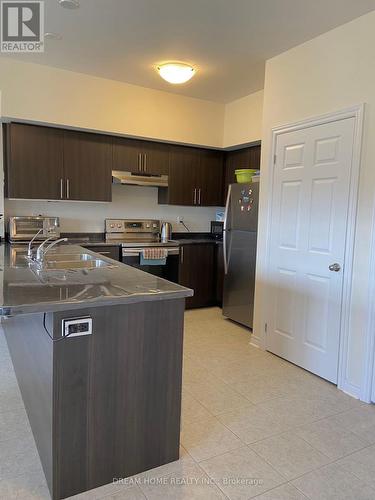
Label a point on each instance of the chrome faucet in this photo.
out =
(41, 252)
(29, 252)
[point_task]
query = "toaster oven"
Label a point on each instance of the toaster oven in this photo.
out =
(23, 228)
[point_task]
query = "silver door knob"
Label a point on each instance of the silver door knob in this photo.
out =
(335, 267)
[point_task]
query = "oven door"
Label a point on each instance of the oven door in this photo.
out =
(168, 271)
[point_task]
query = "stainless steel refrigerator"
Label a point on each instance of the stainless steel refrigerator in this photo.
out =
(240, 243)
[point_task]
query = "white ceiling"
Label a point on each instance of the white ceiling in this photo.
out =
(228, 40)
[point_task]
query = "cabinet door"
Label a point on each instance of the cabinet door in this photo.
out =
(219, 273)
(183, 168)
(87, 166)
(127, 154)
(197, 271)
(210, 179)
(111, 251)
(235, 160)
(241, 158)
(156, 158)
(34, 160)
(255, 157)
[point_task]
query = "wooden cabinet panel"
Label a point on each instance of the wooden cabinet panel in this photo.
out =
(241, 158)
(255, 152)
(210, 178)
(126, 154)
(219, 273)
(87, 166)
(34, 161)
(184, 165)
(156, 158)
(104, 405)
(195, 177)
(111, 251)
(140, 157)
(197, 271)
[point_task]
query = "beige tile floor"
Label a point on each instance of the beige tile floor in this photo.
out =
(253, 425)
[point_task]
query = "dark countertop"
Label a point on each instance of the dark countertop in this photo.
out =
(99, 239)
(27, 289)
(194, 238)
(195, 241)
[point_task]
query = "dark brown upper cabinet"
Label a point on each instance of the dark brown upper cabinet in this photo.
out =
(33, 162)
(156, 158)
(140, 157)
(87, 166)
(127, 155)
(210, 178)
(240, 158)
(54, 164)
(195, 177)
(183, 169)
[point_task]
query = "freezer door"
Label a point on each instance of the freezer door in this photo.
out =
(239, 281)
(244, 200)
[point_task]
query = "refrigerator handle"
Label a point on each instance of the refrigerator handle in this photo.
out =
(225, 229)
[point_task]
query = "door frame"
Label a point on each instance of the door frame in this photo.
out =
(356, 112)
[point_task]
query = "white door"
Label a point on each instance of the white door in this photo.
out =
(307, 244)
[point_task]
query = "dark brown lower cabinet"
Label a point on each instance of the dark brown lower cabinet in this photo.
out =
(111, 251)
(105, 405)
(219, 274)
(197, 271)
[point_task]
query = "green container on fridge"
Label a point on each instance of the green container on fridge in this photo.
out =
(244, 175)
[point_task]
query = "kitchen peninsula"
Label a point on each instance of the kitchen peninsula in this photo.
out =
(97, 350)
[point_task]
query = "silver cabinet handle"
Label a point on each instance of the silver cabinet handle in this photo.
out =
(195, 196)
(334, 267)
(145, 162)
(67, 189)
(140, 162)
(182, 255)
(61, 188)
(199, 196)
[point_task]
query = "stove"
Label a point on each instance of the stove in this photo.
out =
(136, 232)
(134, 235)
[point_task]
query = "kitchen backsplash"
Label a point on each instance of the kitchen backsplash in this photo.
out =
(127, 202)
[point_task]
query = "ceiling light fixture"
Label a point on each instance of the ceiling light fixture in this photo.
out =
(176, 72)
(69, 4)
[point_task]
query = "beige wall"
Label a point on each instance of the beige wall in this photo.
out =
(49, 95)
(243, 120)
(330, 73)
(42, 93)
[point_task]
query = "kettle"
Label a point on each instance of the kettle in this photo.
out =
(166, 231)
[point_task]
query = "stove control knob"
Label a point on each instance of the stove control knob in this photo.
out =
(111, 226)
(147, 226)
(119, 226)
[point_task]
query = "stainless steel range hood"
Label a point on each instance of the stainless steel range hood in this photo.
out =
(119, 177)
